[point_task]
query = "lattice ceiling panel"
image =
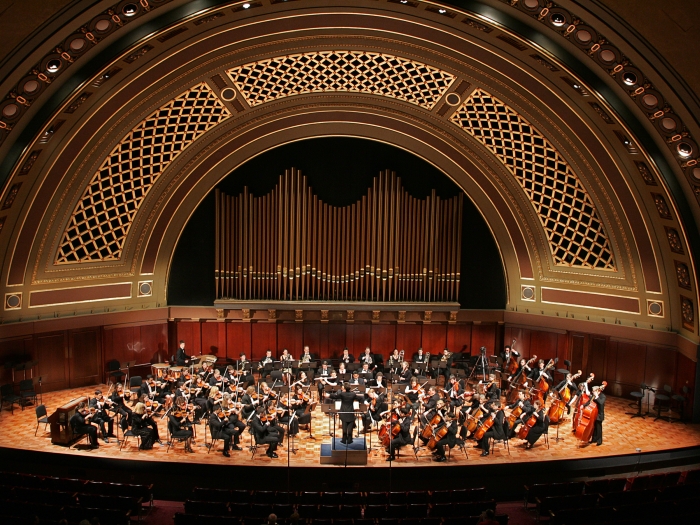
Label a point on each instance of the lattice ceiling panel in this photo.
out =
(350, 71)
(102, 218)
(567, 213)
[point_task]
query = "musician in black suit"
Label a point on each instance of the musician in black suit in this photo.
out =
(347, 357)
(367, 358)
(265, 433)
(497, 430)
(450, 438)
(377, 407)
(541, 424)
(80, 423)
(528, 409)
(507, 353)
(539, 372)
(101, 417)
(493, 392)
(181, 358)
(356, 380)
(599, 399)
(421, 361)
(366, 373)
(347, 411)
(219, 430)
(430, 404)
(404, 436)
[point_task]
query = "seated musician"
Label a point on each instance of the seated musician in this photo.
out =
(244, 368)
(80, 424)
(492, 390)
(356, 380)
(455, 389)
(421, 361)
(266, 362)
(205, 370)
(142, 428)
(430, 405)
(182, 359)
(450, 438)
(182, 405)
(101, 417)
(322, 375)
(302, 379)
(217, 380)
(405, 373)
(377, 407)
(300, 402)
(342, 371)
(347, 357)
(306, 356)
(214, 399)
(286, 414)
(250, 401)
(412, 391)
(404, 436)
(541, 424)
(378, 381)
(119, 398)
(178, 424)
(468, 409)
(431, 420)
(497, 431)
(528, 409)
(366, 373)
(394, 363)
(266, 432)
(367, 358)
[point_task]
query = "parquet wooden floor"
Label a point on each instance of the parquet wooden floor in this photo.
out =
(622, 435)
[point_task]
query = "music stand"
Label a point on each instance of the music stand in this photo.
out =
(126, 366)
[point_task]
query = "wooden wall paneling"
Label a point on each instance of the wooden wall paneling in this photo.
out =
(578, 352)
(213, 342)
(16, 350)
(408, 337)
(323, 344)
(629, 368)
(685, 376)
(239, 339)
(84, 357)
(660, 367)
(563, 352)
(357, 338)
(434, 338)
(544, 344)
(459, 337)
(263, 337)
(52, 354)
(483, 335)
(596, 358)
(154, 342)
(311, 337)
(383, 340)
(337, 340)
(121, 344)
(291, 337)
(523, 342)
(190, 333)
(611, 365)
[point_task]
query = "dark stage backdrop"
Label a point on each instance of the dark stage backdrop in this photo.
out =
(340, 170)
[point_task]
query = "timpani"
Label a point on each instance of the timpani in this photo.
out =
(176, 371)
(159, 370)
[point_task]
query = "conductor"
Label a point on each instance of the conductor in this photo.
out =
(347, 412)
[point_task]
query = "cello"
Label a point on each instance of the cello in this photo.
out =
(584, 430)
(485, 426)
(583, 399)
(556, 411)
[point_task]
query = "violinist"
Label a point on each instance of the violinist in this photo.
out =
(119, 398)
(366, 373)
(214, 400)
(404, 436)
(377, 407)
(599, 398)
(491, 389)
(80, 423)
(250, 401)
(101, 417)
(450, 438)
(218, 429)
(347, 357)
(455, 391)
(405, 372)
(541, 423)
(178, 424)
(495, 413)
(266, 432)
(284, 414)
(430, 405)
(218, 380)
(234, 422)
(368, 359)
(142, 428)
(527, 410)
(182, 359)
(300, 402)
(412, 391)
(147, 419)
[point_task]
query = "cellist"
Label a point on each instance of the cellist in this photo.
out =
(450, 439)
(599, 398)
(494, 410)
(404, 436)
(528, 409)
(429, 405)
(541, 423)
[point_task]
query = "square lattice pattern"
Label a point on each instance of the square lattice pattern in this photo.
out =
(350, 71)
(102, 218)
(575, 232)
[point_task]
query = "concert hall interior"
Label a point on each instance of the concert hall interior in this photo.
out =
(494, 203)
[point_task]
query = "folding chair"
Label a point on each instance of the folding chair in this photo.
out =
(41, 418)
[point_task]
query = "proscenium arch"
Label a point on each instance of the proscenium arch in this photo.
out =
(150, 227)
(451, 162)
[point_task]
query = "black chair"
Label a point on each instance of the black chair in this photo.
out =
(41, 418)
(172, 439)
(135, 383)
(114, 371)
(7, 395)
(663, 401)
(26, 392)
(638, 396)
(129, 434)
(680, 400)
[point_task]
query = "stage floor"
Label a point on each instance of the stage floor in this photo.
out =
(622, 436)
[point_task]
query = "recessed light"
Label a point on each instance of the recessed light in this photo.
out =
(558, 19)
(684, 149)
(53, 65)
(442, 11)
(130, 9)
(629, 78)
(246, 6)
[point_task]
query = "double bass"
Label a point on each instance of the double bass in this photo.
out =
(541, 385)
(521, 380)
(584, 430)
(583, 399)
(512, 365)
(556, 411)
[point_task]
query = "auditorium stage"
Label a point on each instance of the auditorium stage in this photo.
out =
(663, 444)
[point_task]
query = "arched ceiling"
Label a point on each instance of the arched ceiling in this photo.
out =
(578, 152)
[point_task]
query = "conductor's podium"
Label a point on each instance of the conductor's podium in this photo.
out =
(336, 453)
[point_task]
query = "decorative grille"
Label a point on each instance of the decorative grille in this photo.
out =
(102, 218)
(350, 71)
(575, 232)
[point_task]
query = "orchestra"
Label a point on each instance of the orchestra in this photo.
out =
(411, 408)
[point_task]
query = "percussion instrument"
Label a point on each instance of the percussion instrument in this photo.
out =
(176, 372)
(160, 370)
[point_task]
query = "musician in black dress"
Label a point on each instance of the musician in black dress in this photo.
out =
(347, 411)
(541, 424)
(178, 427)
(523, 369)
(450, 438)
(266, 432)
(455, 389)
(394, 363)
(599, 398)
(404, 436)
(101, 417)
(181, 358)
(80, 424)
(493, 392)
(434, 418)
(497, 429)
(141, 427)
(119, 398)
(405, 373)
